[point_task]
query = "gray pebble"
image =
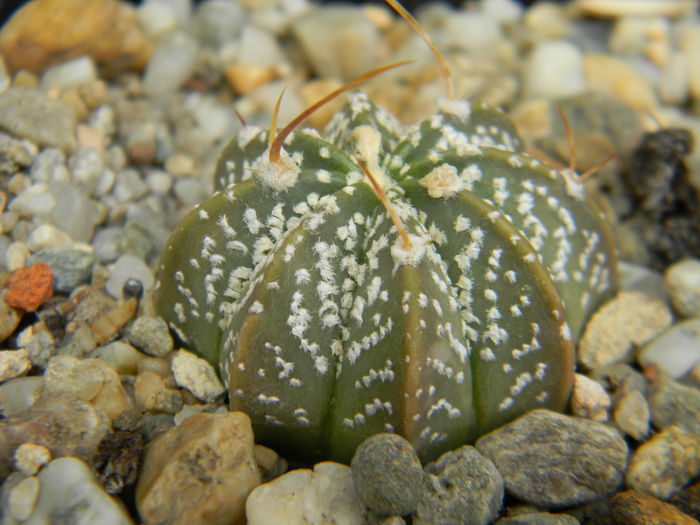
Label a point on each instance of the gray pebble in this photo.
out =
(552, 460)
(682, 281)
(388, 475)
(49, 165)
(464, 488)
(675, 404)
(151, 335)
(29, 113)
(75, 212)
(86, 167)
(171, 64)
(15, 153)
(632, 414)
(620, 378)
(129, 186)
(70, 74)
(70, 268)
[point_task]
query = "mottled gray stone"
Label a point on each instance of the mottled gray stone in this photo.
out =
(675, 404)
(151, 335)
(463, 487)
(70, 268)
(49, 165)
(552, 460)
(29, 113)
(388, 475)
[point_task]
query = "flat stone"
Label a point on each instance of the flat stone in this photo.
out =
(636, 508)
(70, 268)
(69, 75)
(675, 352)
(630, 319)
(313, 497)
(199, 472)
(675, 404)
(552, 460)
(463, 487)
(665, 463)
(388, 475)
(23, 497)
(30, 114)
(196, 375)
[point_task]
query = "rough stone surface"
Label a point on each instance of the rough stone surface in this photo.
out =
(463, 487)
(388, 475)
(675, 404)
(665, 463)
(28, 113)
(632, 414)
(151, 335)
(196, 375)
(70, 268)
(539, 518)
(29, 458)
(308, 497)
(589, 399)
(554, 460)
(630, 319)
(200, 472)
(13, 363)
(636, 508)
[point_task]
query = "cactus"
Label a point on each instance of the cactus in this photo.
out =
(429, 281)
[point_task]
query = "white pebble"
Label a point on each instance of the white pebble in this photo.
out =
(23, 497)
(171, 64)
(35, 200)
(196, 375)
(71, 74)
(682, 281)
(47, 236)
(676, 351)
(554, 69)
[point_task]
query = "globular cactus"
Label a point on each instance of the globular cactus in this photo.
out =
(428, 281)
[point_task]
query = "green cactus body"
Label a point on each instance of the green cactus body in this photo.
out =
(327, 328)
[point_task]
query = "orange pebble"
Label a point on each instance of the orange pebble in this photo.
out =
(30, 287)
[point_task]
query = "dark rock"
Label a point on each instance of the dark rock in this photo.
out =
(552, 460)
(463, 487)
(388, 475)
(118, 460)
(636, 508)
(688, 500)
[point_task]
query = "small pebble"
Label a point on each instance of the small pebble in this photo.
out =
(629, 319)
(9, 319)
(463, 487)
(554, 70)
(676, 351)
(589, 462)
(632, 414)
(171, 64)
(151, 394)
(388, 475)
(30, 287)
(197, 376)
(675, 404)
(589, 399)
(70, 268)
(23, 498)
(632, 507)
(665, 463)
(682, 281)
(48, 237)
(49, 165)
(71, 74)
(29, 458)
(151, 335)
(128, 267)
(13, 363)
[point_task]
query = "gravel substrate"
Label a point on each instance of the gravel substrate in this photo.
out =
(111, 121)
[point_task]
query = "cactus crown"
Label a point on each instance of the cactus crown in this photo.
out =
(429, 281)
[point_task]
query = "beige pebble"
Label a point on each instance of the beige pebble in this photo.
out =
(589, 399)
(23, 497)
(29, 458)
(615, 77)
(14, 363)
(629, 320)
(244, 78)
(315, 90)
(632, 414)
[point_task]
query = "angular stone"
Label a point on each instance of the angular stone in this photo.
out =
(324, 495)
(665, 463)
(151, 335)
(632, 414)
(30, 114)
(388, 475)
(200, 472)
(464, 487)
(196, 375)
(675, 404)
(636, 508)
(70, 268)
(589, 399)
(552, 460)
(13, 363)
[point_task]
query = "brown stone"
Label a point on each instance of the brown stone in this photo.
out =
(48, 32)
(636, 508)
(244, 78)
(28, 288)
(199, 472)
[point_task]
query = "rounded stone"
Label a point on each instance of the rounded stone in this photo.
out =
(387, 475)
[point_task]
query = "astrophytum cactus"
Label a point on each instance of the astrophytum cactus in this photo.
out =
(428, 281)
